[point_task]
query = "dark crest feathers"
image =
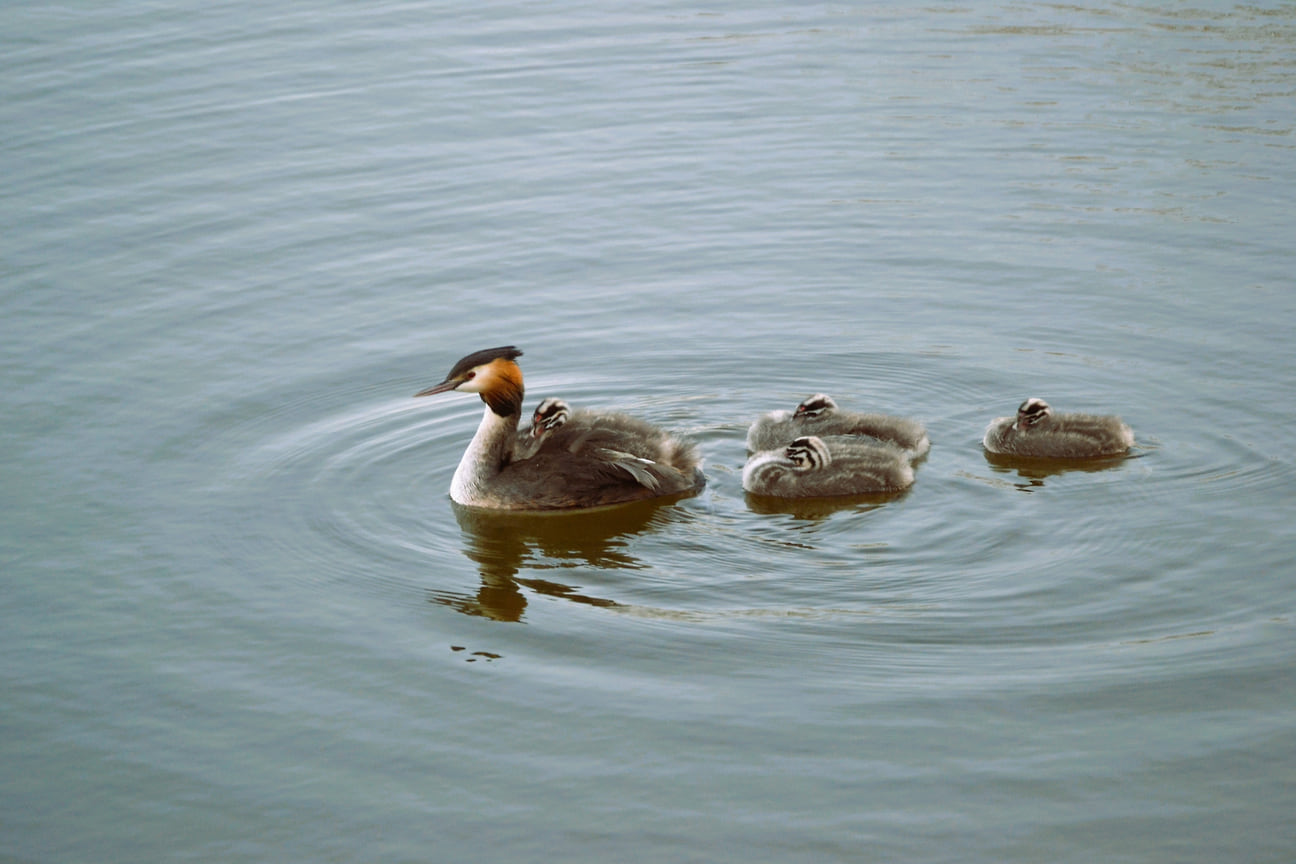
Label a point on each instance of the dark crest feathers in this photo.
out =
(486, 355)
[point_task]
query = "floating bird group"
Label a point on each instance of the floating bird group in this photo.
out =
(819, 451)
(580, 459)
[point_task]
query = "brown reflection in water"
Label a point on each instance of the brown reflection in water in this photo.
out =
(1034, 470)
(820, 508)
(488, 656)
(503, 543)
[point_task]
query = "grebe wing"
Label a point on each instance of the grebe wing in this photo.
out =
(636, 466)
(556, 479)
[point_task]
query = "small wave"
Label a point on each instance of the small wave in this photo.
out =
(357, 487)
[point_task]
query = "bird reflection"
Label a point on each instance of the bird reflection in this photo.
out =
(820, 508)
(1034, 471)
(503, 543)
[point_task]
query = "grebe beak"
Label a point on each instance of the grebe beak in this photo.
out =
(448, 384)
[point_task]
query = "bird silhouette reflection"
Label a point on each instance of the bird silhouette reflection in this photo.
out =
(504, 544)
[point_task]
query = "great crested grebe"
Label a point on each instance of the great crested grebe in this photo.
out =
(1037, 431)
(812, 467)
(819, 415)
(557, 476)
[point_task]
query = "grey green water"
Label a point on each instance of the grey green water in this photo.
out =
(241, 621)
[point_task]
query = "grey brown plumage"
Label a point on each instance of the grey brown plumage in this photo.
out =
(605, 432)
(820, 416)
(813, 467)
(1038, 431)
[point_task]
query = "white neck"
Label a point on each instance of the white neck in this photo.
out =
(487, 453)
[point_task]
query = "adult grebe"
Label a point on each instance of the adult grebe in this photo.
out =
(819, 415)
(555, 477)
(1037, 431)
(811, 467)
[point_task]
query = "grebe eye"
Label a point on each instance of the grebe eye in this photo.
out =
(471, 375)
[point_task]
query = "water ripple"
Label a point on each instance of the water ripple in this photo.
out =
(359, 484)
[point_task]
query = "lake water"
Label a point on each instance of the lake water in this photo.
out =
(242, 620)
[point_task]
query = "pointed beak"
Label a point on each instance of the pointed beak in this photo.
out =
(448, 384)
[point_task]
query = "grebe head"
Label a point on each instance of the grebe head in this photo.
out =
(491, 373)
(815, 406)
(808, 453)
(549, 415)
(1032, 411)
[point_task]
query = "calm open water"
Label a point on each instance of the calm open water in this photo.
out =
(242, 621)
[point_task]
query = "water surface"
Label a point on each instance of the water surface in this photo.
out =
(242, 620)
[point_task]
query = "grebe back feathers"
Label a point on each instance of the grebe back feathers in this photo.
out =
(630, 444)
